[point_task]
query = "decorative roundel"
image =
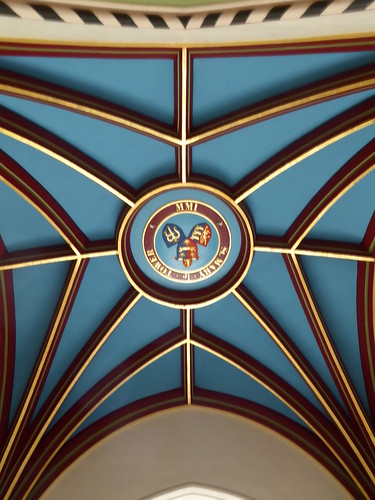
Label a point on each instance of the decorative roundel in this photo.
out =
(185, 245)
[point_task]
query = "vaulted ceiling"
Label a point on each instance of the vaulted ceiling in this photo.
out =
(282, 131)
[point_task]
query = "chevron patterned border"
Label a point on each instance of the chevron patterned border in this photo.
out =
(180, 19)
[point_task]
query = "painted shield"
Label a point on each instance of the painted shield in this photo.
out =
(187, 250)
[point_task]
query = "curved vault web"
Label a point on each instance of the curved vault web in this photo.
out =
(104, 364)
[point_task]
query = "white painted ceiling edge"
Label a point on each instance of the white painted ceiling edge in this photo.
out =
(342, 25)
(195, 446)
(195, 493)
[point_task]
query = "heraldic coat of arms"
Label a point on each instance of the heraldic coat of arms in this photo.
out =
(187, 249)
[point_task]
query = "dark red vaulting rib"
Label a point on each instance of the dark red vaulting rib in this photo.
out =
(365, 315)
(7, 346)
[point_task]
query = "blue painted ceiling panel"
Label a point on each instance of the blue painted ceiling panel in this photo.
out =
(103, 284)
(135, 158)
(212, 373)
(232, 156)
(144, 323)
(349, 217)
(269, 281)
(96, 213)
(162, 375)
(231, 322)
(21, 225)
(143, 85)
(334, 284)
(291, 191)
(225, 84)
(36, 292)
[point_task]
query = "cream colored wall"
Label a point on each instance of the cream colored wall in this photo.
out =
(195, 446)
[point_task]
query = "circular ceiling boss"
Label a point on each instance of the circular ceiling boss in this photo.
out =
(185, 245)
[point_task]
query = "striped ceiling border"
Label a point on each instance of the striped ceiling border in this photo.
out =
(143, 17)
